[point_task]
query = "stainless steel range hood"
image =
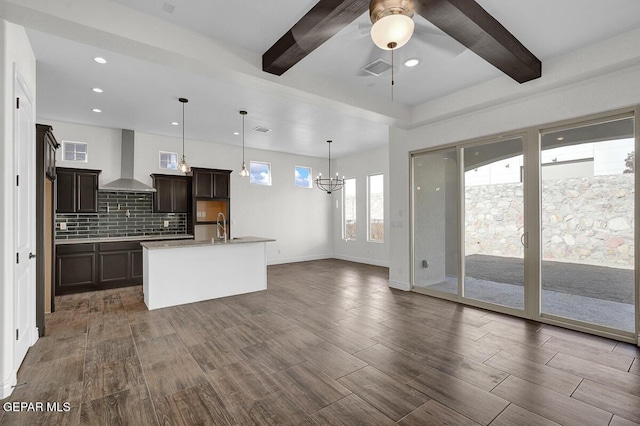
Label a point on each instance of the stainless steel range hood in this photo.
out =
(127, 183)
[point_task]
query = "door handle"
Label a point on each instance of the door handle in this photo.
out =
(31, 255)
(524, 240)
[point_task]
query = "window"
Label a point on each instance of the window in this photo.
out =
(74, 151)
(349, 209)
(260, 173)
(303, 177)
(168, 160)
(375, 211)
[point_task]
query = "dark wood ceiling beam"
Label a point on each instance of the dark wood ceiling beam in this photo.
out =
(467, 22)
(321, 23)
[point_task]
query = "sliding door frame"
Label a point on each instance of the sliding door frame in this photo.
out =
(532, 189)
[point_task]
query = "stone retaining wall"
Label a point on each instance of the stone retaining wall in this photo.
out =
(584, 220)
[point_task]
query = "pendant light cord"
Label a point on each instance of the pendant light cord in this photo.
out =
(329, 160)
(243, 163)
(392, 45)
(183, 130)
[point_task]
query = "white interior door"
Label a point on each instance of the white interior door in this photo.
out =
(24, 221)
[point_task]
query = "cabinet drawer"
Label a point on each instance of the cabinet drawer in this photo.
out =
(120, 246)
(75, 248)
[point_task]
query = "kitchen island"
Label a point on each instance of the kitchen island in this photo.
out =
(187, 271)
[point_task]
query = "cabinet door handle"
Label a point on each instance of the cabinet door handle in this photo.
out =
(31, 255)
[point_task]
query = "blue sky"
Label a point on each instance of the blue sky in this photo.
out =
(303, 177)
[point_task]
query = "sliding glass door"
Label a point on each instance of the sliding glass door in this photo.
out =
(435, 203)
(572, 187)
(493, 217)
(588, 223)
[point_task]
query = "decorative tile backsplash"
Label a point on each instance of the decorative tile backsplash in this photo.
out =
(120, 214)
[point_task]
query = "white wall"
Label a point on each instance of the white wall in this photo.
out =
(104, 152)
(298, 218)
(14, 49)
(596, 79)
(360, 166)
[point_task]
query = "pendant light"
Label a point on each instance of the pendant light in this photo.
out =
(331, 184)
(244, 172)
(182, 165)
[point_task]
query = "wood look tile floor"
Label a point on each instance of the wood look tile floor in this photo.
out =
(327, 344)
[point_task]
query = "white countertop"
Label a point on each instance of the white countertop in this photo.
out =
(123, 238)
(192, 243)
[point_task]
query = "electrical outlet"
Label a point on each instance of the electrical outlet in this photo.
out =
(166, 223)
(63, 226)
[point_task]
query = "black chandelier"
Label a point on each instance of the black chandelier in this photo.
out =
(331, 184)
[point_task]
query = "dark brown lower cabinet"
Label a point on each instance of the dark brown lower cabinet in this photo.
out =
(76, 268)
(88, 267)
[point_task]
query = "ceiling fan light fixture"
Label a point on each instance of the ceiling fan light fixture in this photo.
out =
(392, 31)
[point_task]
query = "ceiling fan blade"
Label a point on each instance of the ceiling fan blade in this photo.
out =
(438, 40)
(324, 19)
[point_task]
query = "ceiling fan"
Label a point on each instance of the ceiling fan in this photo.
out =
(463, 20)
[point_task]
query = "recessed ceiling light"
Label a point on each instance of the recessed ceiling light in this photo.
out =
(175, 123)
(97, 90)
(560, 138)
(96, 110)
(411, 62)
(100, 60)
(236, 133)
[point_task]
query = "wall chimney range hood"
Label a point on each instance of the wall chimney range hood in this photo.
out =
(127, 183)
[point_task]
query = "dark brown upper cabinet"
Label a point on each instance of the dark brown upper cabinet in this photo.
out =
(210, 183)
(48, 144)
(173, 193)
(76, 190)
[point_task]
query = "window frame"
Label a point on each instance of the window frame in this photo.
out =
(369, 239)
(355, 212)
(160, 160)
(253, 181)
(295, 182)
(66, 144)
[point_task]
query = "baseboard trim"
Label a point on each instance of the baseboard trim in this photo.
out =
(399, 286)
(299, 259)
(8, 385)
(361, 260)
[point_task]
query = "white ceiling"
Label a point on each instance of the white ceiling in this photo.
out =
(143, 95)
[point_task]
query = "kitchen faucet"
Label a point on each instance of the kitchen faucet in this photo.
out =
(224, 227)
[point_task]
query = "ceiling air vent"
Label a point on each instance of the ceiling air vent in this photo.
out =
(377, 67)
(261, 129)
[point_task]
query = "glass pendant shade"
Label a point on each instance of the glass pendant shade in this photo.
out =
(244, 172)
(396, 28)
(183, 166)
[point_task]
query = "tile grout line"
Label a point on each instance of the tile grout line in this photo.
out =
(144, 377)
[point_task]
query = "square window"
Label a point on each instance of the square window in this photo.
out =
(168, 160)
(260, 173)
(303, 177)
(74, 151)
